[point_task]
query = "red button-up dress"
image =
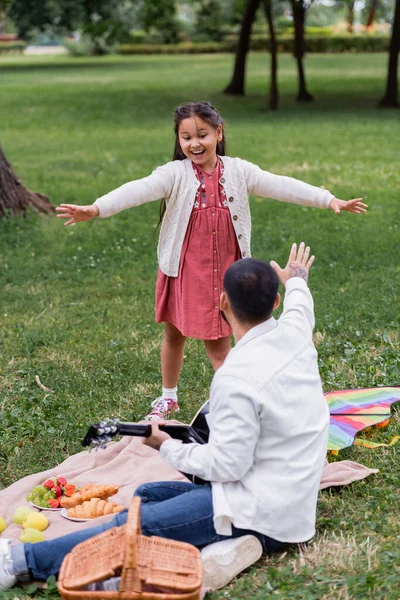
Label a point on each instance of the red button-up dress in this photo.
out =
(191, 301)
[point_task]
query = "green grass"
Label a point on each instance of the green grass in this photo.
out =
(77, 304)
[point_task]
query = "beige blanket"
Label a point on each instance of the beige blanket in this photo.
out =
(128, 464)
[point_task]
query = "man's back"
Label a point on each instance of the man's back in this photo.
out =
(272, 379)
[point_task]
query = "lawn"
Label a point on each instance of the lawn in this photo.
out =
(77, 304)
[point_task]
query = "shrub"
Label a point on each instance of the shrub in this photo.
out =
(14, 47)
(314, 43)
(81, 47)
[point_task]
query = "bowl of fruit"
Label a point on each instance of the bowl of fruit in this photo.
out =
(47, 496)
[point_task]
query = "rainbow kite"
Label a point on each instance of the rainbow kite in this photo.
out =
(354, 410)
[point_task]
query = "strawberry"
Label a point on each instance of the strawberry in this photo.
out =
(53, 503)
(49, 484)
(61, 481)
(58, 491)
(69, 489)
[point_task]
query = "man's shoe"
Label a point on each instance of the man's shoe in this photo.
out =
(6, 580)
(224, 560)
(162, 408)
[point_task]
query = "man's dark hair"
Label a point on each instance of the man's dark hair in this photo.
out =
(251, 286)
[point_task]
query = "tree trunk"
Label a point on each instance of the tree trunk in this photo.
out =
(299, 18)
(390, 99)
(350, 17)
(371, 14)
(273, 93)
(236, 86)
(3, 20)
(14, 197)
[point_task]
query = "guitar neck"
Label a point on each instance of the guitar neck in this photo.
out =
(185, 433)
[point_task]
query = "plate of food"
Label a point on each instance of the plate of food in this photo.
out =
(91, 509)
(64, 513)
(43, 507)
(51, 493)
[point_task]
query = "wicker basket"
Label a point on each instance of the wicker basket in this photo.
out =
(151, 568)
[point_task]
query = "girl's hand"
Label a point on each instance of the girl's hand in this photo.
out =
(157, 436)
(76, 214)
(354, 206)
(298, 265)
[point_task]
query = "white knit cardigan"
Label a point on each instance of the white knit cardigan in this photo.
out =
(177, 183)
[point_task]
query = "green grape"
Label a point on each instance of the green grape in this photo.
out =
(38, 489)
(30, 497)
(47, 496)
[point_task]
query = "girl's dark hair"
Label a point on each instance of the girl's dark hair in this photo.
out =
(208, 114)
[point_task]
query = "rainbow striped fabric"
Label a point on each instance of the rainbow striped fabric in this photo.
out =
(354, 410)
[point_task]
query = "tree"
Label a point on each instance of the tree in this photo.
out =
(273, 93)
(209, 19)
(299, 8)
(161, 15)
(390, 98)
(103, 21)
(236, 85)
(371, 14)
(14, 197)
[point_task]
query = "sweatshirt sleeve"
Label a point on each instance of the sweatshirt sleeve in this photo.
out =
(154, 187)
(286, 189)
(234, 432)
(298, 305)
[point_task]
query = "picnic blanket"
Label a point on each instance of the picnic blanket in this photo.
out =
(127, 463)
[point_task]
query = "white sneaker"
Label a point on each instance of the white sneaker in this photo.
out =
(6, 580)
(224, 560)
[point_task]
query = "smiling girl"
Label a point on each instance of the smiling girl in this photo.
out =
(205, 227)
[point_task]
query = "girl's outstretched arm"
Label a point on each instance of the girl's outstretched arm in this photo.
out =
(288, 189)
(76, 214)
(355, 206)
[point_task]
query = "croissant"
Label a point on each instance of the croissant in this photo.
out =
(95, 507)
(86, 493)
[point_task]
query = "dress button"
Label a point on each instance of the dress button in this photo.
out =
(215, 270)
(217, 307)
(235, 217)
(231, 199)
(215, 252)
(222, 180)
(213, 214)
(240, 236)
(213, 232)
(215, 289)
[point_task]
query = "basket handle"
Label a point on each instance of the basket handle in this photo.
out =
(130, 581)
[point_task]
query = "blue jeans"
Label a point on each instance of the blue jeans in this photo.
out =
(176, 510)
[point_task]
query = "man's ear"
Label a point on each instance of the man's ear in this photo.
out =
(277, 301)
(224, 302)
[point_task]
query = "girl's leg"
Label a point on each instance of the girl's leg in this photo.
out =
(171, 363)
(217, 350)
(171, 355)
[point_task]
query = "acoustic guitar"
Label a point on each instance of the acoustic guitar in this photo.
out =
(100, 434)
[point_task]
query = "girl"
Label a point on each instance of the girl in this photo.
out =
(205, 227)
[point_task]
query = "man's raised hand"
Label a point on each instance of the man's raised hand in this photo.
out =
(298, 264)
(76, 214)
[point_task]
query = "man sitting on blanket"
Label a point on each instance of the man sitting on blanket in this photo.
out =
(268, 437)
